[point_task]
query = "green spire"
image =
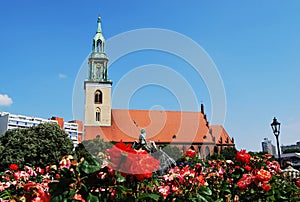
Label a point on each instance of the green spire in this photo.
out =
(99, 30)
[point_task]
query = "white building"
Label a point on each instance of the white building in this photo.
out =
(267, 146)
(72, 130)
(12, 121)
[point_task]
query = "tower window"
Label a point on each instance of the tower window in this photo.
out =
(98, 114)
(98, 97)
(99, 46)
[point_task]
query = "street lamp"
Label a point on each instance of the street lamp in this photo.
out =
(276, 130)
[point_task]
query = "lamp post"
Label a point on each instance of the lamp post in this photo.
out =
(276, 130)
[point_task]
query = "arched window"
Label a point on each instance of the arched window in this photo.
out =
(98, 97)
(98, 114)
(99, 46)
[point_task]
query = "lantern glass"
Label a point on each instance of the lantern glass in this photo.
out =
(275, 126)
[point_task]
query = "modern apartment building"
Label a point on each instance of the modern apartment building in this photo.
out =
(12, 121)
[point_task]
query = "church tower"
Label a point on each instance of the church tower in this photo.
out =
(97, 86)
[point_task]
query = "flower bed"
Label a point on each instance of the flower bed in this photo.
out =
(129, 175)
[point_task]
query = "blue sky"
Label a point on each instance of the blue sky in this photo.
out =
(255, 46)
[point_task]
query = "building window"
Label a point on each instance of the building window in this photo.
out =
(98, 97)
(99, 46)
(98, 114)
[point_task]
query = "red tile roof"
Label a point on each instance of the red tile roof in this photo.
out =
(221, 135)
(160, 126)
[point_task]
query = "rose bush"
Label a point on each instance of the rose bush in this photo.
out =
(24, 185)
(244, 178)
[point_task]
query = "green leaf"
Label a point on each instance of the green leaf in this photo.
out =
(272, 198)
(227, 191)
(5, 195)
(92, 198)
(120, 178)
(149, 196)
(72, 193)
(206, 190)
(201, 198)
(56, 198)
(89, 165)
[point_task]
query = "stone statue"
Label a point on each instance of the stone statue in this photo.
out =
(143, 144)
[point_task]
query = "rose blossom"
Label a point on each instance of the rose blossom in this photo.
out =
(130, 161)
(190, 153)
(298, 183)
(263, 175)
(245, 181)
(266, 187)
(248, 168)
(13, 167)
(243, 157)
(164, 190)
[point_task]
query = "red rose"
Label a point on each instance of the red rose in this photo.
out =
(243, 157)
(190, 153)
(27, 187)
(266, 187)
(263, 175)
(43, 196)
(244, 182)
(130, 161)
(14, 167)
(298, 183)
(248, 168)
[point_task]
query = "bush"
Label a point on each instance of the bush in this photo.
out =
(245, 178)
(36, 146)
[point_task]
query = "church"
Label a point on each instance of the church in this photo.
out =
(179, 128)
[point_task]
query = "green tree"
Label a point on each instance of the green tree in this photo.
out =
(95, 147)
(216, 156)
(228, 153)
(173, 151)
(35, 146)
(291, 151)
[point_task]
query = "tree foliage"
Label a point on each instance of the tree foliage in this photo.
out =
(173, 151)
(35, 146)
(291, 151)
(95, 147)
(228, 153)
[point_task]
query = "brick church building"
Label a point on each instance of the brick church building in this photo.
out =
(181, 128)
